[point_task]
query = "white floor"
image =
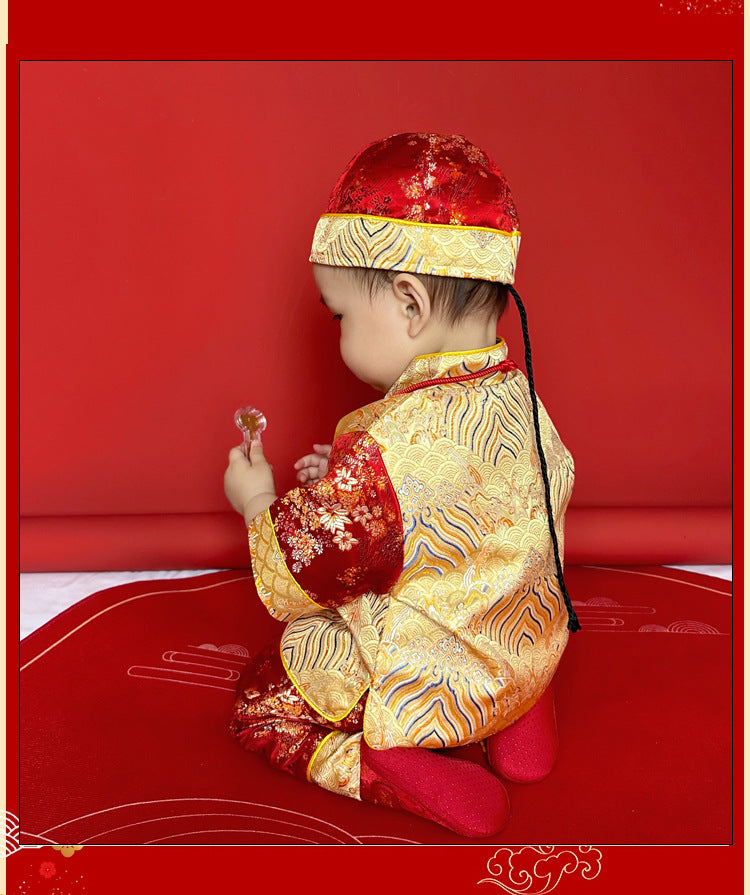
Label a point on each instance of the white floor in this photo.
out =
(43, 595)
(724, 572)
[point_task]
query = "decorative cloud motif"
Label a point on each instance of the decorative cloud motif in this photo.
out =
(682, 627)
(537, 869)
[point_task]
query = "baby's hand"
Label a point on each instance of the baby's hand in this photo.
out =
(248, 483)
(312, 467)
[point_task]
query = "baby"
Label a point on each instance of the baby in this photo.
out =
(418, 568)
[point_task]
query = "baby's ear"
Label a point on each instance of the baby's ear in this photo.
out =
(414, 301)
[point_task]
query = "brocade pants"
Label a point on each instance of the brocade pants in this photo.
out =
(270, 717)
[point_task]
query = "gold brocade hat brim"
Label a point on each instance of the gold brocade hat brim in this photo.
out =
(447, 250)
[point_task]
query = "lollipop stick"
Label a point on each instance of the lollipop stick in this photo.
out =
(251, 423)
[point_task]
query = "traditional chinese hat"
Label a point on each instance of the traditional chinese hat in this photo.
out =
(422, 203)
(431, 204)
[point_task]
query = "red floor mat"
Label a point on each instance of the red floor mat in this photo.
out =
(125, 701)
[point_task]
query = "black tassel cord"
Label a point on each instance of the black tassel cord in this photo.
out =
(573, 623)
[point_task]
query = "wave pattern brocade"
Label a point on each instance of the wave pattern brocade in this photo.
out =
(344, 241)
(471, 633)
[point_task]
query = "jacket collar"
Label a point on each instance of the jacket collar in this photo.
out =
(451, 364)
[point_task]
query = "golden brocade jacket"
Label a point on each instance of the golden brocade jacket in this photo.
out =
(420, 570)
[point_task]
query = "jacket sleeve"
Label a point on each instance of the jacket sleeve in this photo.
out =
(327, 544)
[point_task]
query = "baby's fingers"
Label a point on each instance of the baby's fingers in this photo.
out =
(237, 455)
(309, 476)
(308, 461)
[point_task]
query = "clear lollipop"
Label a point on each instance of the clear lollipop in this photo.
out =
(251, 423)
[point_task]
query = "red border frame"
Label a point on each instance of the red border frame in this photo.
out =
(548, 30)
(112, 870)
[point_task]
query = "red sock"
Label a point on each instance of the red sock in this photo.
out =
(457, 794)
(526, 751)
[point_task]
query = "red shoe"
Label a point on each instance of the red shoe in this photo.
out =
(460, 795)
(526, 751)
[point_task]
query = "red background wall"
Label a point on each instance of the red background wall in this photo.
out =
(166, 215)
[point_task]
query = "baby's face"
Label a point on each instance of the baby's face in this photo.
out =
(374, 343)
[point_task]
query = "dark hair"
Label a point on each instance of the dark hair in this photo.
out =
(453, 297)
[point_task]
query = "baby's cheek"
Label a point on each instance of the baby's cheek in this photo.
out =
(357, 362)
(348, 355)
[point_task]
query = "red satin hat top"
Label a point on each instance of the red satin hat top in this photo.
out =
(429, 179)
(422, 203)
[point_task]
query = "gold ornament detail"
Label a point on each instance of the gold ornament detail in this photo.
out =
(67, 851)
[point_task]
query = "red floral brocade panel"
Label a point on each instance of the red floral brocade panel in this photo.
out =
(343, 536)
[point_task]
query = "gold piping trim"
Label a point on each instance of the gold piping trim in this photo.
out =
(315, 753)
(462, 353)
(403, 223)
(307, 699)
